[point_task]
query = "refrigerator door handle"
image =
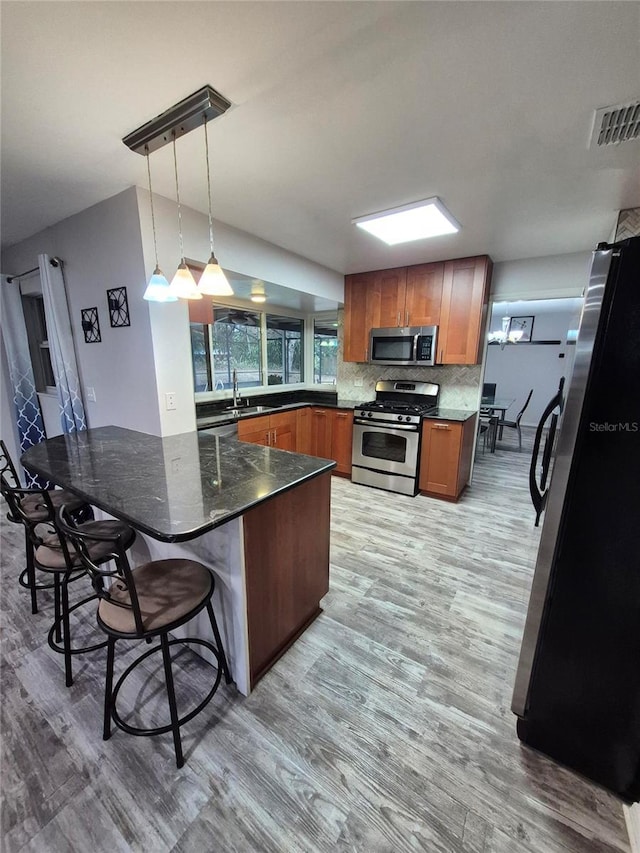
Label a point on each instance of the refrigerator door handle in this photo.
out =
(539, 493)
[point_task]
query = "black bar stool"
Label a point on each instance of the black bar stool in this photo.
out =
(147, 601)
(50, 555)
(32, 514)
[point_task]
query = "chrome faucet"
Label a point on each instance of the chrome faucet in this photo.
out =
(236, 392)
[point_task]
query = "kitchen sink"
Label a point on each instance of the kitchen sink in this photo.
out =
(248, 410)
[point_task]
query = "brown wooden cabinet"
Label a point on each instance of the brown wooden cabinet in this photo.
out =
(314, 430)
(341, 440)
(465, 296)
(424, 294)
(445, 457)
(321, 431)
(254, 430)
(359, 309)
(452, 295)
(303, 430)
(277, 430)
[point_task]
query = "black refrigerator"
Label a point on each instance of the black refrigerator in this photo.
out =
(577, 688)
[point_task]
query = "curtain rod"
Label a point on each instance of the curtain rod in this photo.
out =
(55, 262)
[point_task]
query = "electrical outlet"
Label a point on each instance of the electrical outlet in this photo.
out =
(170, 401)
(90, 394)
(358, 383)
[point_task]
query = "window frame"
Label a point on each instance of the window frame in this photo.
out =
(264, 388)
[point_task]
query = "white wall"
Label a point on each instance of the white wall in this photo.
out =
(236, 250)
(519, 367)
(541, 278)
(100, 249)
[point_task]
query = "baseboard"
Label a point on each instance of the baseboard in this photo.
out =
(632, 817)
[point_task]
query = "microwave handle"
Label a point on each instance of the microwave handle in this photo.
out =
(415, 348)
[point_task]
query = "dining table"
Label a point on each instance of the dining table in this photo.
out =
(492, 406)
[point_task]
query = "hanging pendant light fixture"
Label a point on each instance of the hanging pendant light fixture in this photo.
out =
(183, 283)
(257, 291)
(213, 281)
(158, 289)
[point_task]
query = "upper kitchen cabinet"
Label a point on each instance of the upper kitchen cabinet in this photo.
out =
(423, 295)
(359, 299)
(465, 295)
(452, 295)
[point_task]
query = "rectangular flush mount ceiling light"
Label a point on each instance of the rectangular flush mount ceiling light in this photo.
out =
(415, 221)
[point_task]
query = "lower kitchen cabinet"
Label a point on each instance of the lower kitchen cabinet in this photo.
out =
(312, 430)
(303, 430)
(342, 440)
(277, 430)
(321, 432)
(445, 458)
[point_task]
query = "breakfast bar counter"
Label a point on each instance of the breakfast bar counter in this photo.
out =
(257, 516)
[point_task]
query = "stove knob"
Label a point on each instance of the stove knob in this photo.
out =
(399, 417)
(408, 417)
(363, 414)
(369, 414)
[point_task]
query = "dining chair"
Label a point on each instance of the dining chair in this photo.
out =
(32, 512)
(516, 424)
(488, 429)
(50, 555)
(143, 603)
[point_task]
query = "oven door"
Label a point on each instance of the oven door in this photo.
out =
(392, 449)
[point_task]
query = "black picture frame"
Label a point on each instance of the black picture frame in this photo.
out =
(524, 325)
(90, 325)
(118, 307)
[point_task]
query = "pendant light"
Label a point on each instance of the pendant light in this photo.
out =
(183, 283)
(257, 291)
(213, 281)
(158, 289)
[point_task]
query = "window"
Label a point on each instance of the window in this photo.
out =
(33, 307)
(264, 349)
(284, 350)
(325, 349)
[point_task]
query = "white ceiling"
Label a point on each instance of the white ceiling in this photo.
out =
(339, 109)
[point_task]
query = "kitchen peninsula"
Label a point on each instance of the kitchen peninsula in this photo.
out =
(257, 516)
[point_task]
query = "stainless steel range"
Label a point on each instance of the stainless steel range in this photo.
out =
(386, 435)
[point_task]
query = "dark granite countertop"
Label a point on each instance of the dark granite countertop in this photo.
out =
(441, 414)
(225, 418)
(173, 488)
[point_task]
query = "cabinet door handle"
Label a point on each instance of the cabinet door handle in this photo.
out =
(441, 426)
(268, 439)
(398, 320)
(275, 437)
(407, 316)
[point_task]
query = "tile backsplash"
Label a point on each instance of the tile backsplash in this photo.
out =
(459, 384)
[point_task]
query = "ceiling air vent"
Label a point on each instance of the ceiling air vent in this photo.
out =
(613, 125)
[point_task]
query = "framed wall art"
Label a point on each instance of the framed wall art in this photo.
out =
(118, 307)
(523, 325)
(90, 325)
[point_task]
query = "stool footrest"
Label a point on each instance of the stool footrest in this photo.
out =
(158, 730)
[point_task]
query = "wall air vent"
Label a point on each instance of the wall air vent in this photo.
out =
(612, 125)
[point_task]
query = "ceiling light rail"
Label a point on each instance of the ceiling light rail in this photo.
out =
(203, 105)
(192, 112)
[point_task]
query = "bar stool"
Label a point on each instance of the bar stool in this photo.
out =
(142, 603)
(32, 513)
(51, 556)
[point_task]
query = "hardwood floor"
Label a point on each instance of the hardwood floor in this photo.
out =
(387, 727)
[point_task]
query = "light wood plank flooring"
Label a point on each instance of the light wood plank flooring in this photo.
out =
(387, 727)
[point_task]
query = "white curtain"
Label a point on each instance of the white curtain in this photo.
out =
(28, 417)
(61, 349)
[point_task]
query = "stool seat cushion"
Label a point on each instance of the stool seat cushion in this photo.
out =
(51, 556)
(167, 590)
(36, 510)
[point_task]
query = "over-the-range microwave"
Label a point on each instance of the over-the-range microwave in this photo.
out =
(404, 345)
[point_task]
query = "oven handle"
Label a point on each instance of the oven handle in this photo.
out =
(377, 426)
